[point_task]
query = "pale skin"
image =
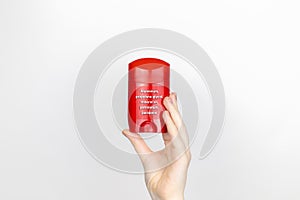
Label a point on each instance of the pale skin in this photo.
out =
(165, 170)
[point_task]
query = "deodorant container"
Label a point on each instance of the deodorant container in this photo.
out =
(148, 84)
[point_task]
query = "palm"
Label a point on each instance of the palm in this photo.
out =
(168, 180)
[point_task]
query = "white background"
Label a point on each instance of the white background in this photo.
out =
(254, 44)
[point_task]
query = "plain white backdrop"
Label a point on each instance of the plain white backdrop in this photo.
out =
(254, 44)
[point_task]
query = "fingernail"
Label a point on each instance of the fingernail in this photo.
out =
(169, 100)
(166, 99)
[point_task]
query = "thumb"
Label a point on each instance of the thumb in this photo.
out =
(137, 142)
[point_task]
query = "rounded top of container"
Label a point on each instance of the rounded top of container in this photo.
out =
(143, 63)
(149, 70)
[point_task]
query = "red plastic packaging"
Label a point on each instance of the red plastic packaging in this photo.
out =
(148, 84)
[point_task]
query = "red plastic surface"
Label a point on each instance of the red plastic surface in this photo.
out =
(148, 84)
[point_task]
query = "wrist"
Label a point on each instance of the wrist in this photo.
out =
(176, 197)
(173, 197)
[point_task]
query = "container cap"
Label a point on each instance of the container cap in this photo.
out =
(149, 70)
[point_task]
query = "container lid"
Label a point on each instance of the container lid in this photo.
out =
(149, 70)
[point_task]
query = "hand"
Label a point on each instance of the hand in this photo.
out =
(166, 170)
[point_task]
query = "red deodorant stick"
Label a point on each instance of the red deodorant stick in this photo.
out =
(148, 84)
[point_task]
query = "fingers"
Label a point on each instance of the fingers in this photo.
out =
(172, 137)
(137, 142)
(171, 105)
(173, 97)
(171, 127)
(175, 116)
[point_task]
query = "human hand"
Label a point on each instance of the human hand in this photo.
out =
(166, 170)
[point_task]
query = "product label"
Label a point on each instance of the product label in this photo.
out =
(146, 102)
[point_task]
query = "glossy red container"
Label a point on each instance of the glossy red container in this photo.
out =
(148, 84)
